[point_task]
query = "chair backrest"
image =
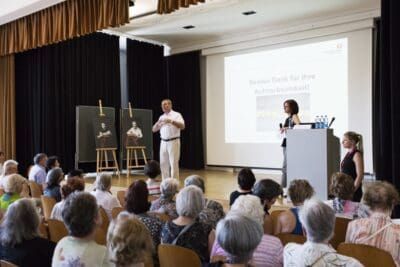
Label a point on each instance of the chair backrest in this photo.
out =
(369, 256)
(121, 197)
(47, 206)
(4, 263)
(57, 230)
(100, 237)
(36, 190)
(175, 256)
(339, 234)
(115, 211)
(44, 230)
(274, 218)
(287, 238)
(105, 220)
(151, 198)
(161, 216)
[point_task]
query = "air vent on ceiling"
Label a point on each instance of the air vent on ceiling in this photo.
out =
(248, 13)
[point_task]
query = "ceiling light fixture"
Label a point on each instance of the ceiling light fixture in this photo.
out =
(248, 13)
(188, 27)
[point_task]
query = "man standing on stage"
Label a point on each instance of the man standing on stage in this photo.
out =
(170, 125)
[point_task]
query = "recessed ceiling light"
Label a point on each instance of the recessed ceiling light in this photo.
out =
(188, 27)
(248, 13)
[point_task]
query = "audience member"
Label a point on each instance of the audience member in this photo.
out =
(72, 185)
(288, 221)
(378, 230)
(12, 190)
(246, 180)
(52, 162)
(20, 241)
(38, 171)
(152, 170)
(238, 236)
(9, 167)
(54, 177)
(165, 203)
(76, 173)
(212, 211)
(103, 194)
(82, 218)
(186, 230)
(318, 220)
(129, 242)
(269, 252)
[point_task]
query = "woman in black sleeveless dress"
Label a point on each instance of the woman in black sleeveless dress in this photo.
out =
(291, 108)
(353, 163)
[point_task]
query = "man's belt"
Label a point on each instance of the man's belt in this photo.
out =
(170, 139)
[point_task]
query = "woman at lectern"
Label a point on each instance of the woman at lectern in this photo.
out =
(291, 108)
(353, 163)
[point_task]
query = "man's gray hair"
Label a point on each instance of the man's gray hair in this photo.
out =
(169, 187)
(38, 157)
(318, 219)
(7, 164)
(21, 223)
(196, 180)
(239, 236)
(190, 202)
(103, 182)
(250, 206)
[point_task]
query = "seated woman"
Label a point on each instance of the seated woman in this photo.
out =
(103, 194)
(269, 251)
(377, 230)
(136, 202)
(13, 187)
(212, 211)
(152, 170)
(128, 242)
(246, 180)
(82, 218)
(72, 185)
(54, 177)
(166, 204)
(288, 221)
(239, 236)
(186, 230)
(268, 191)
(20, 241)
(318, 220)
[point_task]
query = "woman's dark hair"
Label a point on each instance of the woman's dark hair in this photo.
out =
(267, 189)
(293, 106)
(54, 177)
(246, 179)
(51, 162)
(136, 198)
(76, 172)
(152, 169)
(73, 184)
(342, 186)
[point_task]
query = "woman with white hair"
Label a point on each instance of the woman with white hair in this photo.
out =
(186, 230)
(239, 236)
(318, 220)
(269, 252)
(20, 241)
(103, 195)
(165, 203)
(9, 167)
(12, 187)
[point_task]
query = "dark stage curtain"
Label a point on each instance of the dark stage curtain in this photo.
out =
(51, 81)
(386, 94)
(183, 83)
(146, 87)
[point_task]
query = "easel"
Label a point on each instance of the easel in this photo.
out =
(102, 154)
(131, 153)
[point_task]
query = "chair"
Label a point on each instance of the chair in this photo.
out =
(44, 230)
(47, 205)
(368, 256)
(57, 230)
(36, 190)
(151, 198)
(339, 235)
(274, 218)
(115, 211)
(105, 220)
(175, 256)
(161, 216)
(121, 197)
(287, 238)
(4, 263)
(100, 237)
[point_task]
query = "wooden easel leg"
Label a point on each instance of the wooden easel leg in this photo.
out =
(144, 156)
(116, 163)
(97, 162)
(136, 160)
(127, 163)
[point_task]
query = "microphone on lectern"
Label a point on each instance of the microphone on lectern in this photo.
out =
(332, 120)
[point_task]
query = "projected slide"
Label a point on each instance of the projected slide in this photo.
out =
(257, 84)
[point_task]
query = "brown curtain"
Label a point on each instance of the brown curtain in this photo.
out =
(60, 22)
(168, 6)
(7, 106)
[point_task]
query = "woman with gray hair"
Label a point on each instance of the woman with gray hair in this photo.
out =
(81, 217)
(269, 252)
(165, 203)
(318, 220)
(54, 177)
(20, 241)
(213, 211)
(103, 194)
(13, 187)
(239, 236)
(186, 230)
